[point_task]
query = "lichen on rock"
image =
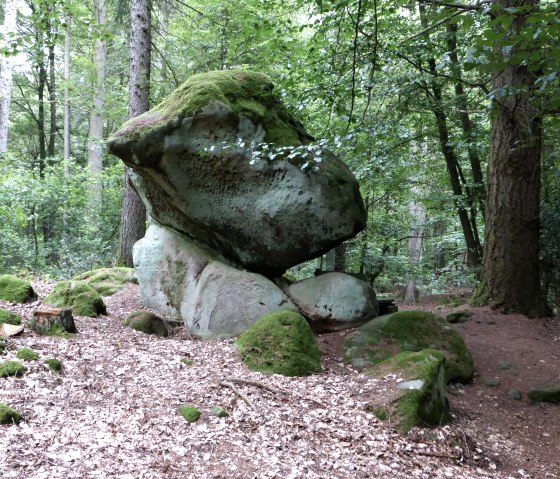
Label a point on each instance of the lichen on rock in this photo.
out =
(280, 343)
(15, 290)
(83, 299)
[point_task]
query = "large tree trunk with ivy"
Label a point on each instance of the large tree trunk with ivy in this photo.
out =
(133, 217)
(510, 277)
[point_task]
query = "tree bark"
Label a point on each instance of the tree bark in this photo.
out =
(133, 217)
(510, 277)
(6, 67)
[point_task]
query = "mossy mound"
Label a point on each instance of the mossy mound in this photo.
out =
(83, 299)
(54, 364)
(12, 368)
(280, 343)
(189, 413)
(545, 393)
(27, 354)
(451, 301)
(8, 317)
(458, 316)
(9, 415)
(3, 345)
(389, 335)
(108, 281)
(15, 290)
(420, 399)
(147, 322)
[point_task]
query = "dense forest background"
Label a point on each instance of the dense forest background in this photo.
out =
(446, 112)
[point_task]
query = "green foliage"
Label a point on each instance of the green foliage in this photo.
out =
(27, 354)
(15, 290)
(9, 318)
(12, 368)
(147, 322)
(80, 297)
(9, 415)
(189, 413)
(280, 343)
(54, 364)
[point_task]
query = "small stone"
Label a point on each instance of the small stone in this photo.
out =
(189, 413)
(545, 393)
(219, 411)
(505, 365)
(515, 394)
(491, 382)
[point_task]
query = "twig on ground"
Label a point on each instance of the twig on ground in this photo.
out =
(230, 385)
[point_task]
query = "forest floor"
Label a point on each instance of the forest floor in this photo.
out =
(113, 412)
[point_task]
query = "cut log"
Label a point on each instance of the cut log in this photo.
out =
(48, 320)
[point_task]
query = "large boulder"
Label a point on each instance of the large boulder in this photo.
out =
(108, 281)
(181, 279)
(386, 336)
(78, 296)
(216, 162)
(15, 290)
(334, 301)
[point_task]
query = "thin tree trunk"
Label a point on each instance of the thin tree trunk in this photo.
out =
(133, 217)
(51, 86)
(6, 67)
(67, 46)
(415, 244)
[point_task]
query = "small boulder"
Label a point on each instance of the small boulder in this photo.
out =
(190, 413)
(108, 281)
(8, 317)
(334, 301)
(80, 297)
(460, 316)
(9, 415)
(15, 290)
(280, 343)
(418, 398)
(386, 336)
(54, 364)
(545, 392)
(147, 322)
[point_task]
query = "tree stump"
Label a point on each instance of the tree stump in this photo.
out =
(48, 320)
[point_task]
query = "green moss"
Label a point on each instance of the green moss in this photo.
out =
(3, 345)
(388, 335)
(8, 415)
(27, 354)
(9, 318)
(12, 368)
(280, 343)
(289, 277)
(458, 316)
(187, 361)
(545, 393)
(80, 297)
(189, 413)
(452, 301)
(15, 290)
(54, 364)
(219, 411)
(108, 281)
(147, 322)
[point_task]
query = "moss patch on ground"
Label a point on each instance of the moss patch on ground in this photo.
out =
(83, 299)
(420, 399)
(108, 281)
(15, 290)
(12, 368)
(147, 322)
(458, 316)
(54, 364)
(27, 354)
(189, 413)
(8, 317)
(389, 335)
(9, 415)
(280, 343)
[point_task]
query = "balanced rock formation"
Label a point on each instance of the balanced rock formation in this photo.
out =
(216, 162)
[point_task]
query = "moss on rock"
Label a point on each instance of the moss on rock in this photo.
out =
(388, 335)
(147, 322)
(15, 290)
(189, 413)
(27, 354)
(545, 393)
(420, 399)
(108, 281)
(8, 317)
(3, 345)
(9, 415)
(280, 343)
(54, 364)
(83, 299)
(458, 316)
(12, 368)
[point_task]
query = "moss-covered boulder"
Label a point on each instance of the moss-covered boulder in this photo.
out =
(389, 335)
(280, 343)
(12, 368)
(147, 322)
(108, 281)
(460, 316)
(15, 290)
(27, 354)
(54, 364)
(418, 397)
(9, 415)
(201, 169)
(190, 413)
(545, 393)
(8, 317)
(83, 299)
(3, 345)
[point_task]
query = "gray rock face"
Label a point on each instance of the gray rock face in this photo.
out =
(215, 299)
(334, 301)
(198, 173)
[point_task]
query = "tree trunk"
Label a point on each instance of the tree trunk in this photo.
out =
(96, 122)
(510, 277)
(6, 67)
(415, 245)
(133, 217)
(51, 86)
